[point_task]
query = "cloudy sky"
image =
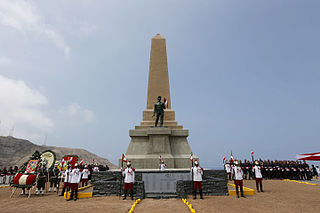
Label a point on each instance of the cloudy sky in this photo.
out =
(244, 75)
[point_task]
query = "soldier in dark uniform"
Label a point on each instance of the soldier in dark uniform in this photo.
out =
(54, 174)
(42, 179)
(159, 110)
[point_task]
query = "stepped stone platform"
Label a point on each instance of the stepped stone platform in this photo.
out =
(175, 183)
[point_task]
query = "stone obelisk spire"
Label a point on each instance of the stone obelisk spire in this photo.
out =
(158, 85)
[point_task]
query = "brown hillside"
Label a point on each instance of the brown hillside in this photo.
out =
(14, 151)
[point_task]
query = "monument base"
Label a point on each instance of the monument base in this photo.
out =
(147, 145)
(159, 184)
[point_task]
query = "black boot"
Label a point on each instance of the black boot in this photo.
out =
(261, 187)
(62, 193)
(201, 197)
(131, 192)
(76, 195)
(237, 191)
(71, 196)
(195, 194)
(241, 190)
(125, 195)
(257, 187)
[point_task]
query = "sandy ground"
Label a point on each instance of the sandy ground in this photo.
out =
(279, 196)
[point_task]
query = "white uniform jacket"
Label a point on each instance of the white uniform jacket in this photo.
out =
(75, 175)
(227, 168)
(163, 167)
(85, 174)
(237, 172)
(257, 171)
(128, 174)
(66, 175)
(197, 173)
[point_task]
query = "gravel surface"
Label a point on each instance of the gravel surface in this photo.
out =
(279, 196)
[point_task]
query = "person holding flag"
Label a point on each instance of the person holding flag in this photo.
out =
(162, 165)
(197, 173)
(128, 174)
(257, 172)
(85, 176)
(238, 178)
(227, 167)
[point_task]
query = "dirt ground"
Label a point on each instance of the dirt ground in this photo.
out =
(279, 196)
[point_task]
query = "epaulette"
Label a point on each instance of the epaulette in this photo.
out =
(133, 169)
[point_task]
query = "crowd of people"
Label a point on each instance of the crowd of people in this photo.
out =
(7, 175)
(277, 169)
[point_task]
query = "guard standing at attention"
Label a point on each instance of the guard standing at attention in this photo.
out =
(197, 179)
(258, 175)
(128, 174)
(238, 178)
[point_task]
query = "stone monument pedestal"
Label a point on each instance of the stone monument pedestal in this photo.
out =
(148, 144)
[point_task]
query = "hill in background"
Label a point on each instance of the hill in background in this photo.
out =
(15, 151)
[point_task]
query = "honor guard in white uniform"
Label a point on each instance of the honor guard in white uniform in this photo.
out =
(66, 182)
(197, 173)
(238, 178)
(163, 166)
(128, 174)
(227, 167)
(258, 175)
(75, 176)
(85, 176)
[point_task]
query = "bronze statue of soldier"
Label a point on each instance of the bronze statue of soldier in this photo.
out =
(159, 110)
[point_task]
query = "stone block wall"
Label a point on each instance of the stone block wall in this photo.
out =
(107, 183)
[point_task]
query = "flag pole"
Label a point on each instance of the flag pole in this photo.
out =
(121, 178)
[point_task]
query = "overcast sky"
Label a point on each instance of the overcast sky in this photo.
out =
(244, 75)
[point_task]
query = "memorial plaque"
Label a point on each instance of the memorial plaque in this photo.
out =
(163, 182)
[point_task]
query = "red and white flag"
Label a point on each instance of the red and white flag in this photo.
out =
(252, 152)
(310, 156)
(191, 157)
(231, 157)
(165, 102)
(81, 161)
(224, 158)
(70, 159)
(124, 159)
(62, 161)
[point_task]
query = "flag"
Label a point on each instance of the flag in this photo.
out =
(62, 161)
(81, 161)
(231, 157)
(160, 158)
(165, 102)
(70, 159)
(124, 159)
(224, 158)
(310, 156)
(191, 157)
(252, 153)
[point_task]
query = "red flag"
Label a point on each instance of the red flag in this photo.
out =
(252, 153)
(231, 157)
(62, 161)
(124, 159)
(165, 102)
(191, 157)
(224, 158)
(81, 161)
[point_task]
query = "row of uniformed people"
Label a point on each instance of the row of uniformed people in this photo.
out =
(72, 178)
(275, 170)
(7, 175)
(237, 173)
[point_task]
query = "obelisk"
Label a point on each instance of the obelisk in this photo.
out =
(170, 142)
(158, 84)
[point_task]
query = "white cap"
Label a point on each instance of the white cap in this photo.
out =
(128, 163)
